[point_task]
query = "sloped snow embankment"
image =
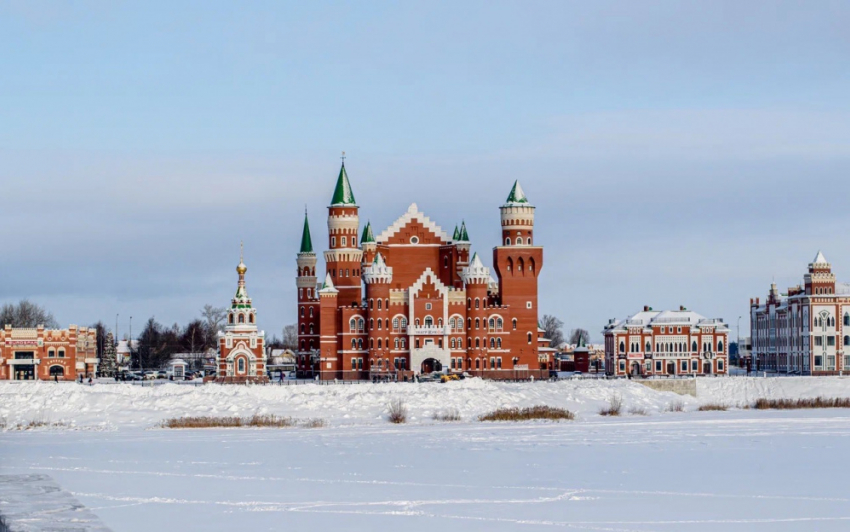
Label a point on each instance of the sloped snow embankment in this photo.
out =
(113, 406)
(110, 406)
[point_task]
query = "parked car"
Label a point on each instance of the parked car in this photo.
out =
(149, 375)
(161, 374)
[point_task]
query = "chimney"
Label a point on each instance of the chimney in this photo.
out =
(646, 308)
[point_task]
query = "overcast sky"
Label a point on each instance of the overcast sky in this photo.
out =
(678, 153)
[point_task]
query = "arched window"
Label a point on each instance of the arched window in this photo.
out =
(492, 323)
(622, 344)
(648, 347)
(379, 304)
(508, 241)
(453, 343)
(478, 342)
(371, 323)
(250, 318)
(311, 312)
(847, 319)
(519, 264)
(469, 302)
(513, 322)
(360, 324)
(241, 365)
(302, 328)
(371, 304)
(518, 241)
(499, 324)
(529, 337)
(57, 371)
(440, 323)
(379, 322)
(417, 322)
(51, 353)
(360, 344)
(379, 343)
(403, 343)
(720, 346)
(302, 345)
(460, 343)
(429, 321)
(477, 363)
(311, 328)
(694, 346)
(352, 325)
(371, 343)
(395, 324)
(492, 343)
(396, 343)
(477, 303)
(847, 341)
(510, 264)
(353, 343)
(241, 318)
(477, 323)
(230, 319)
(302, 312)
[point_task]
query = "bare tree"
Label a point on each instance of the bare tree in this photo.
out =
(213, 321)
(554, 329)
(579, 334)
(26, 314)
(290, 337)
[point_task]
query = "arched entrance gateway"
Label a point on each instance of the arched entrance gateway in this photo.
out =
(635, 369)
(430, 365)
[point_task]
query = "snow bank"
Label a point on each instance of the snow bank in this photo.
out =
(113, 406)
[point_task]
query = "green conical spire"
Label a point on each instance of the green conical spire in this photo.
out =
(464, 236)
(306, 241)
(367, 234)
(342, 193)
(517, 195)
(456, 235)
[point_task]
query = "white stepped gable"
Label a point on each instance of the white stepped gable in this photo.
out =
(412, 213)
(476, 272)
(820, 259)
(378, 271)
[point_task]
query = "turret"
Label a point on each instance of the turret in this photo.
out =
(517, 218)
(308, 311)
(378, 277)
(820, 280)
(368, 245)
(476, 277)
(343, 258)
(241, 316)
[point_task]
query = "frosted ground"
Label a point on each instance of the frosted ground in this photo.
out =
(693, 471)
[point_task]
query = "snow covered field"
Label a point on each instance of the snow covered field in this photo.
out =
(738, 470)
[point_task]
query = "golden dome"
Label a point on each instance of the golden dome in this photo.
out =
(241, 269)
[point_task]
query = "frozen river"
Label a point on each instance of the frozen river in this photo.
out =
(696, 471)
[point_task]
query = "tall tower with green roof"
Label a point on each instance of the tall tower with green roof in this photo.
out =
(308, 298)
(344, 256)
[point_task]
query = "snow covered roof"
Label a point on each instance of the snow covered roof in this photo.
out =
(820, 259)
(652, 318)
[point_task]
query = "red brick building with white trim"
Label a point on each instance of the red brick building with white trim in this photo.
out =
(415, 299)
(672, 342)
(47, 354)
(241, 346)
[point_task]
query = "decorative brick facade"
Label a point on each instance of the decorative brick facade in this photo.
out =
(48, 354)
(807, 330)
(414, 300)
(241, 346)
(678, 342)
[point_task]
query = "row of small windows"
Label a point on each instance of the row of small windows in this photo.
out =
(59, 353)
(345, 272)
(634, 347)
(301, 293)
(311, 329)
(372, 304)
(518, 241)
(344, 241)
(302, 312)
(357, 324)
(520, 265)
(240, 318)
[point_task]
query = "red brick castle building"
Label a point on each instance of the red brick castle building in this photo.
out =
(416, 300)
